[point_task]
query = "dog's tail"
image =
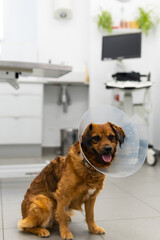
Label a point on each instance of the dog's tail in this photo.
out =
(28, 222)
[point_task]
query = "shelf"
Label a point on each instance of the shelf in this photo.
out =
(123, 31)
(72, 78)
(34, 69)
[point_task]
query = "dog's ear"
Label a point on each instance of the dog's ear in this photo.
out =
(86, 138)
(119, 133)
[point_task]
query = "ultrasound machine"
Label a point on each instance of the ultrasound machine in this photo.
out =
(126, 82)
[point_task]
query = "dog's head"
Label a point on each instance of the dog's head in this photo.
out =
(99, 143)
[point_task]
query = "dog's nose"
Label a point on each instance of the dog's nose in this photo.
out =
(108, 149)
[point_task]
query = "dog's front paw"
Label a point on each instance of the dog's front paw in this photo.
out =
(96, 230)
(67, 235)
(43, 233)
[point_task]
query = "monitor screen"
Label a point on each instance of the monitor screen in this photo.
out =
(121, 46)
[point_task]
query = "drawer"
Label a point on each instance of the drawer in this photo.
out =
(21, 105)
(20, 130)
(25, 88)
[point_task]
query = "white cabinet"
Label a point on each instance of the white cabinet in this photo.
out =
(20, 106)
(21, 114)
(20, 130)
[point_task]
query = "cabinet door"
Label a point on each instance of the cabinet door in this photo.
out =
(20, 130)
(15, 105)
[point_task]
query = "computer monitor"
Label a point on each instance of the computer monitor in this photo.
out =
(121, 46)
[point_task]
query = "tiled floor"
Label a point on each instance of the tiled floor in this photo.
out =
(128, 209)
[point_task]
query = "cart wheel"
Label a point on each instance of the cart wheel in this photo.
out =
(151, 157)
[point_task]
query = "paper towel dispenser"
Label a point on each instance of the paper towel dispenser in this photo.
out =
(63, 9)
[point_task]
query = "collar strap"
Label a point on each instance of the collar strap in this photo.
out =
(85, 162)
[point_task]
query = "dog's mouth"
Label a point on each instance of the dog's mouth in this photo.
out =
(107, 158)
(103, 158)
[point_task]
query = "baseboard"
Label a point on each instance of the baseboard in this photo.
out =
(51, 151)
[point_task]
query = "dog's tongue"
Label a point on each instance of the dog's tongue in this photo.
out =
(107, 158)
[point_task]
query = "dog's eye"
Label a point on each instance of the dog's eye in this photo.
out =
(111, 137)
(96, 138)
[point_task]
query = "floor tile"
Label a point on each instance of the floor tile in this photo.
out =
(78, 217)
(151, 171)
(140, 189)
(128, 208)
(133, 229)
(14, 209)
(154, 202)
(14, 233)
(14, 191)
(143, 175)
(80, 231)
(1, 234)
(122, 208)
(0, 208)
(0, 217)
(11, 214)
(110, 190)
(143, 183)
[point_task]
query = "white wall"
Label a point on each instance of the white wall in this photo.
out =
(101, 71)
(20, 35)
(149, 62)
(63, 40)
(32, 34)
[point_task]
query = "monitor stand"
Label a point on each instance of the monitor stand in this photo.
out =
(121, 66)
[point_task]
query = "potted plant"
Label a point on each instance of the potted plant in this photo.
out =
(105, 21)
(144, 20)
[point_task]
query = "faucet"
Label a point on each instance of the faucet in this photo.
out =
(64, 98)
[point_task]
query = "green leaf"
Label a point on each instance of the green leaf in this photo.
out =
(105, 21)
(145, 20)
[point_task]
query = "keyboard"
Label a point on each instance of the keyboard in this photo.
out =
(128, 84)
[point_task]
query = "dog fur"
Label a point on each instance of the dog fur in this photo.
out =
(68, 181)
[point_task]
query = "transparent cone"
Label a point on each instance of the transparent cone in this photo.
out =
(132, 154)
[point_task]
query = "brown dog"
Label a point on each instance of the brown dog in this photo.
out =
(68, 182)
